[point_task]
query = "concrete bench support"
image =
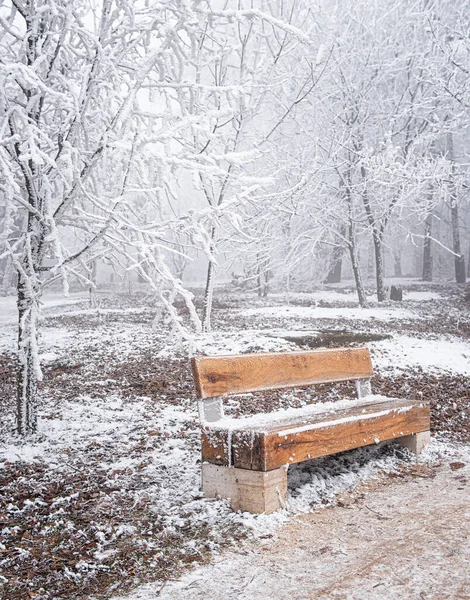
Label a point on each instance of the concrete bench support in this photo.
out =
(250, 491)
(415, 442)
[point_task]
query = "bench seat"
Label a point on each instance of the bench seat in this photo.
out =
(267, 441)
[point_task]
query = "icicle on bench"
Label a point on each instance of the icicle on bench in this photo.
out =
(246, 459)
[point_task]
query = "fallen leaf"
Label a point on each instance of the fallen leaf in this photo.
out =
(456, 465)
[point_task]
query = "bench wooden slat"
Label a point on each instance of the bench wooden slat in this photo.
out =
(313, 413)
(343, 436)
(242, 373)
(269, 449)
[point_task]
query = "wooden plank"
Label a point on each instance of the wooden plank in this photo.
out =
(249, 449)
(249, 433)
(297, 447)
(241, 373)
(291, 443)
(280, 420)
(216, 447)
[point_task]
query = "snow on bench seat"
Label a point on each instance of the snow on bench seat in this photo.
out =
(268, 441)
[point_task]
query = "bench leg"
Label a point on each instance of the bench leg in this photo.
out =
(249, 491)
(415, 442)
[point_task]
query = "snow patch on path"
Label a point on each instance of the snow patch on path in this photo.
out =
(351, 296)
(420, 296)
(360, 551)
(403, 352)
(320, 312)
(252, 340)
(9, 314)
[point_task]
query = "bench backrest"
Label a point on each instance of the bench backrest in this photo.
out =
(217, 376)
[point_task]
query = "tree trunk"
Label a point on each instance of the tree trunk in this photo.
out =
(259, 285)
(427, 250)
(377, 236)
(266, 284)
(209, 291)
(468, 263)
(370, 261)
(379, 266)
(92, 286)
(459, 259)
(288, 285)
(361, 295)
(396, 293)
(29, 372)
(352, 243)
(397, 270)
(208, 298)
(263, 277)
(356, 269)
(334, 274)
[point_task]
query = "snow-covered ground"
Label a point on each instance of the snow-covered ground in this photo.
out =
(433, 355)
(118, 408)
(53, 302)
(320, 312)
(9, 311)
(349, 296)
(394, 542)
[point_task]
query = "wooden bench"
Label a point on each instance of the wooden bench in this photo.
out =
(246, 459)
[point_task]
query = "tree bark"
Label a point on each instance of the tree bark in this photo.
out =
(92, 286)
(209, 291)
(468, 262)
(379, 265)
(377, 238)
(459, 259)
(263, 277)
(334, 274)
(8, 277)
(259, 283)
(397, 270)
(427, 250)
(356, 268)
(266, 284)
(29, 371)
(352, 246)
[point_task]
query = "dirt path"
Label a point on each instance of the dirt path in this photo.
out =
(406, 539)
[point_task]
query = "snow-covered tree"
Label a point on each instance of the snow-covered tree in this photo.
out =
(95, 134)
(256, 59)
(372, 127)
